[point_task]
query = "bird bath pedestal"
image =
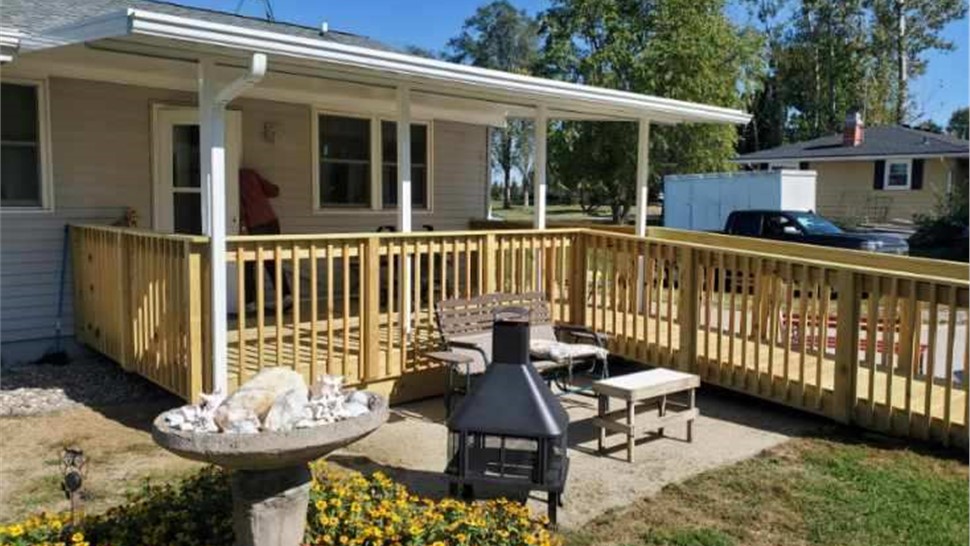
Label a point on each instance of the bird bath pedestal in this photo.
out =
(269, 474)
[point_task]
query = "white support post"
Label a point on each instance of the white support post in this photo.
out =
(541, 127)
(643, 172)
(212, 150)
(404, 196)
(643, 198)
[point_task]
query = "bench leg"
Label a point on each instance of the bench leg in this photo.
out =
(690, 423)
(630, 437)
(603, 407)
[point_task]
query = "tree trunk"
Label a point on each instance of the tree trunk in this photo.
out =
(506, 188)
(901, 80)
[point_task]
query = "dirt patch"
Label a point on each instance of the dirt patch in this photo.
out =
(115, 440)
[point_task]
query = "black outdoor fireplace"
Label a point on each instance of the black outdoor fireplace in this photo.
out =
(510, 431)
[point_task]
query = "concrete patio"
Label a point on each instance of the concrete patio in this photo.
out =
(410, 448)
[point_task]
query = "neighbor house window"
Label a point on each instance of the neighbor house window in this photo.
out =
(419, 165)
(21, 146)
(898, 175)
(345, 163)
(356, 163)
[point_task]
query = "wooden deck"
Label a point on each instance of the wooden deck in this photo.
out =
(685, 301)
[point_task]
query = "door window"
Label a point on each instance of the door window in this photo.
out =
(186, 180)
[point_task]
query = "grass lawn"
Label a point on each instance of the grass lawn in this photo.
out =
(807, 491)
(567, 213)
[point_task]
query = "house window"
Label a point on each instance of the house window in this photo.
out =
(356, 163)
(419, 165)
(344, 161)
(22, 147)
(898, 175)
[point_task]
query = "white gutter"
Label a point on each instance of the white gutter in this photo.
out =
(410, 68)
(9, 44)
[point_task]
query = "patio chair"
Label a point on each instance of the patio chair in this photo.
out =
(465, 326)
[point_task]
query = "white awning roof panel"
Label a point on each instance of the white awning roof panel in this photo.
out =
(562, 99)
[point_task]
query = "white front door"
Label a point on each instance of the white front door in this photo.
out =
(176, 166)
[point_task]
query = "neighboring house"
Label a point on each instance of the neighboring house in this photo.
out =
(101, 120)
(874, 174)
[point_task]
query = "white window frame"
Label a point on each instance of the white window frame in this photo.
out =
(44, 155)
(888, 169)
(376, 164)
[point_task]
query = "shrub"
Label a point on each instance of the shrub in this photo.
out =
(346, 509)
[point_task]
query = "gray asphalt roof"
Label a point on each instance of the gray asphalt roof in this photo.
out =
(886, 140)
(32, 16)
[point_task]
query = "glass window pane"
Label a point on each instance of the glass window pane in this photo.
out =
(419, 143)
(344, 184)
(419, 159)
(344, 138)
(898, 174)
(19, 176)
(419, 186)
(18, 110)
(186, 171)
(188, 212)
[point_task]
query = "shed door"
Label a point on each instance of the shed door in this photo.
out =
(177, 182)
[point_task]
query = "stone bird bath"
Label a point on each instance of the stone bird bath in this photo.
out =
(269, 474)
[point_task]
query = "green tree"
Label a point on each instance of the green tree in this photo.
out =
(502, 37)
(959, 124)
(682, 49)
(909, 29)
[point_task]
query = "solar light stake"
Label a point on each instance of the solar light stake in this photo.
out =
(73, 470)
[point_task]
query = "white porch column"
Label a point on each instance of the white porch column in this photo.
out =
(404, 195)
(643, 172)
(541, 127)
(212, 149)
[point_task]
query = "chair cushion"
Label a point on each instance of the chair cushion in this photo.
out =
(557, 351)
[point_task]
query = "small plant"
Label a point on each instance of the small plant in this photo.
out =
(346, 509)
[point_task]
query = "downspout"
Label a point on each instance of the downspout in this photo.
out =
(212, 133)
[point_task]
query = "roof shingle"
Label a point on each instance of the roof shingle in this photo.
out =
(887, 140)
(33, 16)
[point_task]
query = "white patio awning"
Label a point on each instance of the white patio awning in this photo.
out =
(292, 55)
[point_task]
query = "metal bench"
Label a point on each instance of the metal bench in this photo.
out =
(465, 325)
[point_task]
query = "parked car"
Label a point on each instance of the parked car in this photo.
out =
(809, 228)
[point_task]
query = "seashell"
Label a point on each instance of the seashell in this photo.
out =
(174, 419)
(358, 397)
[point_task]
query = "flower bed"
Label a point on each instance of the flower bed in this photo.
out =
(346, 509)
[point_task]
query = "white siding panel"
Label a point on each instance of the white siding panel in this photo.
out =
(101, 148)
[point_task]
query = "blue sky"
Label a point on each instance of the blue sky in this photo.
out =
(430, 23)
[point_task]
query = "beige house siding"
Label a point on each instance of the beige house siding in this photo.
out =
(101, 155)
(845, 190)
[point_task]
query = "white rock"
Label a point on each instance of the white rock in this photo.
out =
(354, 409)
(287, 410)
(358, 397)
(258, 395)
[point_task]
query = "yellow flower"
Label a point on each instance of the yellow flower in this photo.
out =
(321, 504)
(77, 537)
(16, 530)
(344, 539)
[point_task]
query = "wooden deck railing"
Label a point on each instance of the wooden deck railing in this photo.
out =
(139, 298)
(862, 339)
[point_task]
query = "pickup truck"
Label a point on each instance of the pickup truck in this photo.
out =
(809, 228)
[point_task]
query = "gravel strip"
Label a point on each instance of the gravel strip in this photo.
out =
(35, 389)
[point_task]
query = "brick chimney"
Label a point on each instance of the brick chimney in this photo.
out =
(852, 134)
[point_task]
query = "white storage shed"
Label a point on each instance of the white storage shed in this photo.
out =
(703, 201)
